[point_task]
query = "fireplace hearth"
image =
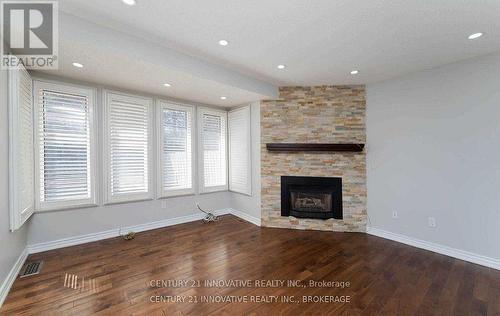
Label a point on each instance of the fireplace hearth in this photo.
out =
(311, 197)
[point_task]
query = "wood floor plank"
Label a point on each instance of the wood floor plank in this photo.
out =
(385, 277)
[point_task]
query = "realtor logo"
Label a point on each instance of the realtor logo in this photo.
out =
(29, 34)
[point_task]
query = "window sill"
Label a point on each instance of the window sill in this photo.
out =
(127, 201)
(176, 194)
(242, 193)
(215, 191)
(64, 208)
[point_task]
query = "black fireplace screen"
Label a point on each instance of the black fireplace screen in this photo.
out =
(311, 197)
(310, 201)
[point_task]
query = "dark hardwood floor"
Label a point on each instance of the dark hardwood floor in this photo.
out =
(386, 278)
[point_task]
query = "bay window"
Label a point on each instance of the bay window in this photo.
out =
(53, 151)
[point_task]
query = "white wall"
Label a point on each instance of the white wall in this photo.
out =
(251, 204)
(54, 225)
(434, 150)
(11, 243)
(49, 226)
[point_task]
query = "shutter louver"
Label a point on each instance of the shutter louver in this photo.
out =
(128, 146)
(176, 149)
(21, 147)
(213, 145)
(65, 144)
(239, 151)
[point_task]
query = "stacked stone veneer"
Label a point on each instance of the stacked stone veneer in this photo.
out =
(322, 114)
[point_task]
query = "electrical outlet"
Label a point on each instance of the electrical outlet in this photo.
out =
(432, 221)
(163, 204)
(394, 214)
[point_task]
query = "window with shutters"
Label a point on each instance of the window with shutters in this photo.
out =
(21, 171)
(127, 147)
(212, 149)
(175, 168)
(240, 171)
(65, 146)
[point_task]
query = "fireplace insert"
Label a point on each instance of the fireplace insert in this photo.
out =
(311, 197)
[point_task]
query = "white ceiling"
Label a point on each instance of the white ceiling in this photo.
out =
(125, 71)
(320, 41)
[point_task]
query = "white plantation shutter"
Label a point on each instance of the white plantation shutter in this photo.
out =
(65, 145)
(176, 158)
(240, 174)
(128, 147)
(21, 147)
(212, 128)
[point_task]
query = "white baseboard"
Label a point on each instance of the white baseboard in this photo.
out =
(169, 222)
(11, 277)
(82, 239)
(246, 217)
(441, 249)
(72, 241)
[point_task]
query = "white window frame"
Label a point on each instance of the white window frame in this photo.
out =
(160, 106)
(201, 171)
(107, 196)
(19, 215)
(71, 89)
(248, 113)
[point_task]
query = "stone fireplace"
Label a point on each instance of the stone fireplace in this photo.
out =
(314, 115)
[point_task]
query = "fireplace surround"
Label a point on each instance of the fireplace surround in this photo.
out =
(311, 197)
(314, 115)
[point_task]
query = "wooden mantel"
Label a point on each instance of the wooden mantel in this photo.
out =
(314, 147)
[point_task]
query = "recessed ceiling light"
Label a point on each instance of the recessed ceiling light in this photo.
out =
(223, 43)
(78, 65)
(354, 72)
(281, 66)
(223, 98)
(167, 85)
(475, 35)
(129, 2)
